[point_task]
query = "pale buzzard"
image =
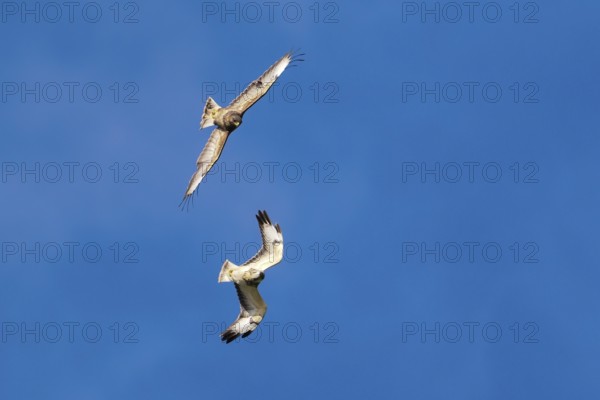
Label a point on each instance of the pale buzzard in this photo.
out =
(248, 276)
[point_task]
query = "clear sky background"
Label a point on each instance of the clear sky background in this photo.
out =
(434, 173)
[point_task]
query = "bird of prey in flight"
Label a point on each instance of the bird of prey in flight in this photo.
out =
(248, 276)
(227, 119)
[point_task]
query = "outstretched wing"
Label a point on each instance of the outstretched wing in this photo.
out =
(271, 251)
(252, 311)
(261, 86)
(210, 154)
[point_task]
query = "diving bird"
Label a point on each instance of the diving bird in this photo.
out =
(227, 119)
(248, 276)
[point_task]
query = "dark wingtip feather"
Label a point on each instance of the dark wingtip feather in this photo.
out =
(229, 336)
(294, 56)
(262, 217)
(266, 216)
(187, 200)
(185, 203)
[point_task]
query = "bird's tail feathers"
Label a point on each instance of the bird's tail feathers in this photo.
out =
(226, 268)
(208, 114)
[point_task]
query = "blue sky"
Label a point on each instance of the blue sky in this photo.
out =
(432, 166)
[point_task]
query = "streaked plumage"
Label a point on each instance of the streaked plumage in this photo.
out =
(227, 119)
(248, 276)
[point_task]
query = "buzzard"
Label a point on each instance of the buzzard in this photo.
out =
(248, 276)
(227, 119)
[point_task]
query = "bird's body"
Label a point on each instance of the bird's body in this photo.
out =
(227, 119)
(248, 276)
(223, 117)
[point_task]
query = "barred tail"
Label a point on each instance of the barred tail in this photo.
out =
(225, 270)
(207, 116)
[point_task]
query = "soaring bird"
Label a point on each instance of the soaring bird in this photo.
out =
(248, 276)
(227, 119)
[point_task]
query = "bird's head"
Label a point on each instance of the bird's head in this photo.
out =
(232, 120)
